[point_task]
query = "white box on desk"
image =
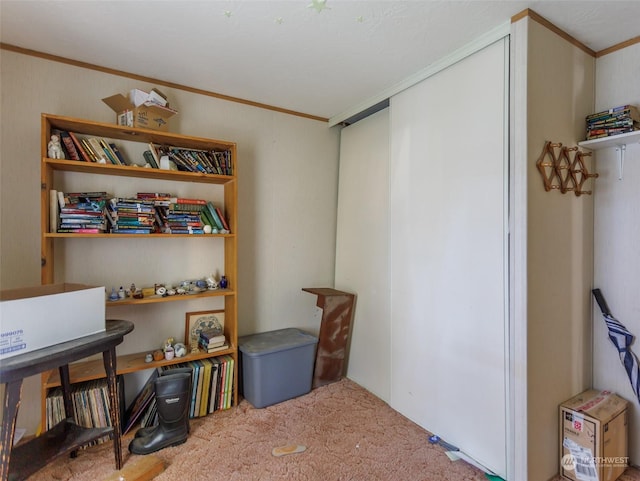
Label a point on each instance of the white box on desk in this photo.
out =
(36, 317)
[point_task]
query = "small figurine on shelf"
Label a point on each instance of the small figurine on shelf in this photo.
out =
(224, 283)
(194, 345)
(114, 295)
(169, 353)
(54, 148)
(180, 349)
(212, 284)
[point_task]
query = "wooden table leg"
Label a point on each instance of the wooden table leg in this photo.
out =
(12, 395)
(109, 358)
(65, 383)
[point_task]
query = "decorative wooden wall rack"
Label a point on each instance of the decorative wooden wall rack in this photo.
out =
(563, 168)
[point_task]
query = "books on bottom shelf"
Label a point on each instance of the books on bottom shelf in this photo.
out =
(90, 400)
(211, 390)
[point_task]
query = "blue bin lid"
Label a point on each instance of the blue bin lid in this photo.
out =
(274, 341)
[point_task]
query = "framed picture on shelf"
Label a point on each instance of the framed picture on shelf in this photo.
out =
(199, 320)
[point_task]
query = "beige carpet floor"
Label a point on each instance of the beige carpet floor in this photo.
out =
(349, 433)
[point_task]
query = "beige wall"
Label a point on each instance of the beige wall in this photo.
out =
(617, 235)
(560, 94)
(288, 168)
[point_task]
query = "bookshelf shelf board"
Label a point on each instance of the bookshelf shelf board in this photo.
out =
(55, 235)
(139, 172)
(113, 131)
(154, 299)
(89, 370)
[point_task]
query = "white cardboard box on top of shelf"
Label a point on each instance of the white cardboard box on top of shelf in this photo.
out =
(146, 110)
(37, 317)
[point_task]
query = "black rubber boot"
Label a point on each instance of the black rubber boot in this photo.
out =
(146, 431)
(173, 398)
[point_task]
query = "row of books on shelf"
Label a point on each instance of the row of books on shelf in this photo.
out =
(105, 151)
(89, 149)
(147, 213)
(90, 401)
(211, 390)
(614, 121)
(189, 160)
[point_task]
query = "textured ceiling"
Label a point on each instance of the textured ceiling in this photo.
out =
(320, 61)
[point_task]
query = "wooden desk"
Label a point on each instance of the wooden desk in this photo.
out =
(65, 437)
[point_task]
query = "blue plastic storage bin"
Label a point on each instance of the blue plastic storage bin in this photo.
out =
(276, 365)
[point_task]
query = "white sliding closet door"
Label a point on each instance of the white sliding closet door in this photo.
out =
(362, 247)
(448, 200)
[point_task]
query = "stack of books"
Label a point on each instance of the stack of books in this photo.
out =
(618, 120)
(183, 216)
(82, 212)
(175, 215)
(212, 340)
(131, 216)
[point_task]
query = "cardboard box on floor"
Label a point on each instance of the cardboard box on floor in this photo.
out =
(141, 109)
(37, 317)
(593, 436)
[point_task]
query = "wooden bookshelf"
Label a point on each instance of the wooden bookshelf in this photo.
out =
(54, 173)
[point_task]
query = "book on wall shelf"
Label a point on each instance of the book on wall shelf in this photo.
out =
(614, 121)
